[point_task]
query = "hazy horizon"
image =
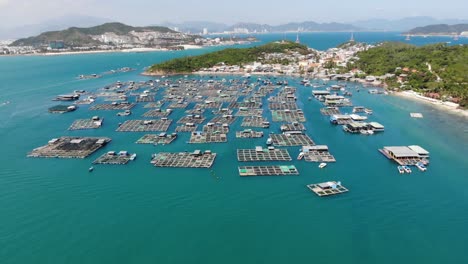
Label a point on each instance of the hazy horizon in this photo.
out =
(26, 12)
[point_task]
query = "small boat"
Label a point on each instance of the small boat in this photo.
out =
(368, 111)
(269, 141)
(91, 169)
(421, 166)
(322, 165)
(300, 156)
(401, 170)
(407, 169)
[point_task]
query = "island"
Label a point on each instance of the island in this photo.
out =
(440, 30)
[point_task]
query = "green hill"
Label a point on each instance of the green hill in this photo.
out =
(229, 56)
(447, 74)
(440, 29)
(81, 36)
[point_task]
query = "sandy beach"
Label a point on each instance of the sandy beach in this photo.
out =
(446, 106)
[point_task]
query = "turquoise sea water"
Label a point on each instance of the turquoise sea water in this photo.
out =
(54, 211)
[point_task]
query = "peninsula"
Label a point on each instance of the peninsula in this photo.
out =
(436, 71)
(111, 37)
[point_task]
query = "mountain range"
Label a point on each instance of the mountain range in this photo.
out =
(108, 33)
(403, 25)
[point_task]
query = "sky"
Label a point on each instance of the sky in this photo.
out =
(15, 13)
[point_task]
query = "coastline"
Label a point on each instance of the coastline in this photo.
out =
(444, 106)
(136, 50)
(441, 105)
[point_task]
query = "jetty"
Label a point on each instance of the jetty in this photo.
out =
(195, 119)
(245, 171)
(113, 106)
(92, 123)
(327, 188)
(295, 126)
(216, 128)
(70, 147)
(145, 125)
(188, 127)
(318, 153)
(290, 139)
(199, 137)
(158, 113)
(249, 133)
(196, 159)
(160, 139)
(263, 154)
(255, 121)
(113, 158)
(288, 116)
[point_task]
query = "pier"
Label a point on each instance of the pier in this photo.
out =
(327, 188)
(249, 133)
(113, 158)
(255, 121)
(157, 104)
(189, 127)
(145, 125)
(295, 126)
(113, 106)
(249, 112)
(245, 171)
(288, 116)
(202, 137)
(161, 139)
(195, 119)
(81, 124)
(225, 119)
(282, 106)
(70, 147)
(329, 111)
(196, 159)
(216, 128)
(261, 154)
(291, 140)
(318, 153)
(158, 113)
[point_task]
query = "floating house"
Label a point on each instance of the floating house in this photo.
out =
(404, 155)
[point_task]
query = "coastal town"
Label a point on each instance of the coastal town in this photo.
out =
(110, 38)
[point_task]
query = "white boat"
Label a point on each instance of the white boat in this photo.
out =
(401, 170)
(300, 156)
(407, 169)
(366, 132)
(133, 156)
(368, 111)
(421, 166)
(269, 141)
(91, 169)
(322, 165)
